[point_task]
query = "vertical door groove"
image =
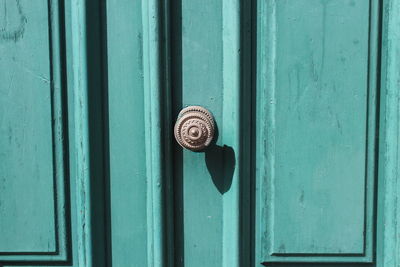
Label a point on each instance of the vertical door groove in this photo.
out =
(157, 124)
(89, 138)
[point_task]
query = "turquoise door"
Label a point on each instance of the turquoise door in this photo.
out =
(303, 165)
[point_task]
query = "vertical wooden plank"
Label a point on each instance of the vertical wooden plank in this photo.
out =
(235, 129)
(388, 249)
(200, 179)
(88, 97)
(157, 130)
(78, 19)
(211, 68)
(231, 130)
(128, 185)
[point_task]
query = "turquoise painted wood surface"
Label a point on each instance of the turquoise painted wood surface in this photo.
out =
(304, 167)
(207, 70)
(51, 212)
(314, 202)
(33, 201)
(31, 126)
(316, 137)
(128, 183)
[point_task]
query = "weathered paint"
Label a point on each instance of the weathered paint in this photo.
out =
(32, 195)
(54, 75)
(105, 79)
(316, 130)
(128, 182)
(157, 130)
(388, 226)
(211, 188)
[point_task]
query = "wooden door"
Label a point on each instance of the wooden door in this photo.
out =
(303, 168)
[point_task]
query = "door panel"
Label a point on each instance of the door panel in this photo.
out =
(50, 211)
(33, 107)
(316, 131)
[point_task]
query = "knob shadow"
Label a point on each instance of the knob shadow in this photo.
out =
(220, 162)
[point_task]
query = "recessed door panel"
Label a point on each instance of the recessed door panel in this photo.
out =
(51, 190)
(316, 135)
(32, 137)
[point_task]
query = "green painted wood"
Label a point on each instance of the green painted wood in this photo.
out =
(139, 133)
(388, 227)
(89, 150)
(235, 130)
(33, 224)
(87, 89)
(78, 12)
(196, 64)
(128, 182)
(21, 144)
(157, 131)
(316, 105)
(207, 70)
(49, 79)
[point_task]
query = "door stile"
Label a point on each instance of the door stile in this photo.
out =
(89, 145)
(236, 128)
(388, 246)
(81, 120)
(157, 129)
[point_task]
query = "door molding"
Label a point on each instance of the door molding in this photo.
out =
(389, 166)
(157, 106)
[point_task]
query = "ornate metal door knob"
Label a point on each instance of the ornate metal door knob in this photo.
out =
(194, 128)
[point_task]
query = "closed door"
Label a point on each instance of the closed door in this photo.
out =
(199, 133)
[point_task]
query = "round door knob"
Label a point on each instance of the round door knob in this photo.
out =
(194, 128)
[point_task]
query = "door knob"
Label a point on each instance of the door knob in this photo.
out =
(194, 128)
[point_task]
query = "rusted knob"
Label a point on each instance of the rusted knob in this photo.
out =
(194, 128)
